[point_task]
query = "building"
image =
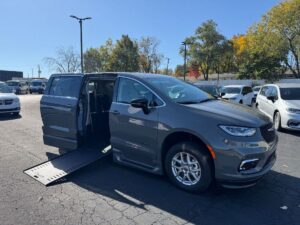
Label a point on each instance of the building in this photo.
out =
(6, 75)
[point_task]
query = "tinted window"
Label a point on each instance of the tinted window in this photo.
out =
(178, 91)
(129, 90)
(209, 89)
(12, 83)
(290, 93)
(65, 86)
(247, 90)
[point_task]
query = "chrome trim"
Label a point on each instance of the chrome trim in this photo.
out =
(153, 92)
(246, 161)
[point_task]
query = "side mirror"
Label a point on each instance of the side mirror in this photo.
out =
(141, 103)
(222, 94)
(272, 98)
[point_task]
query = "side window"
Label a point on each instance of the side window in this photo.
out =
(247, 90)
(129, 90)
(65, 86)
(274, 92)
(263, 91)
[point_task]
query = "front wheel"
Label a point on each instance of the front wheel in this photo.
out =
(277, 121)
(188, 165)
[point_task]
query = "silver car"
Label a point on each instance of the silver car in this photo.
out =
(281, 102)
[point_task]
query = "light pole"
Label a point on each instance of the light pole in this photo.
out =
(184, 43)
(81, 48)
(168, 60)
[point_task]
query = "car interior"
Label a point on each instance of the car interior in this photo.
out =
(94, 105)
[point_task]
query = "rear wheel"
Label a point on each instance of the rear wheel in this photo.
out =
(277, 121)
(188, 166)
(241, 101)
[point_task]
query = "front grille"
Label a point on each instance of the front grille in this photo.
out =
(268, 132)
(8, 101)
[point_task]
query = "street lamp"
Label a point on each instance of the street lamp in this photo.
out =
(184, 43)
(81, 50)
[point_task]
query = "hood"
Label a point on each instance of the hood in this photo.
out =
(292, 103)
(232, 114)
(230, 95)
(8, 96)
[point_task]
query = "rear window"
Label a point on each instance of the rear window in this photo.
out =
(65, 86)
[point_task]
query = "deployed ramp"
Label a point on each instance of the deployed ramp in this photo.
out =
(63, 165)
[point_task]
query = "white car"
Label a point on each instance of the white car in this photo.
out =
(281, 102)
(9, 102)
(242, 94)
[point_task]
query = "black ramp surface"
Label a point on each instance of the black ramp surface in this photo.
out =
(63, 165)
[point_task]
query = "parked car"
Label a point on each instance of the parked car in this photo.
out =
(160, 124)
(238, 93)
(281, 102)
(37, 86)
(209, 88)
(18, 87)
(256, 89)
(9, 102)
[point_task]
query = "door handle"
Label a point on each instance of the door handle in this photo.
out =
(115, 112)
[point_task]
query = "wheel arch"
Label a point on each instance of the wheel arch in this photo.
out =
(180, 136)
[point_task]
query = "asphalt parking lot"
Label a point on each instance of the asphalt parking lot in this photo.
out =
(106, 193)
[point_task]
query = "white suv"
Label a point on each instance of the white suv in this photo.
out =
(9, 102)
(281, 102)
(238, 93)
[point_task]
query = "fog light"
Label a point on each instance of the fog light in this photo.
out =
(293, 123)
(248, 164)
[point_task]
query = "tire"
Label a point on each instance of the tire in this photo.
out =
(16, 114)
(201, 162)
(241, 101)
(277, 121)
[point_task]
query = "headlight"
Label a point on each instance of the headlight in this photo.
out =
(293, 110)
(238, 131)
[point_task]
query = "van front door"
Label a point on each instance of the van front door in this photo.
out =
(59, 111)
(133, 132)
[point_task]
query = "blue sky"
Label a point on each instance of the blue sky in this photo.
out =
(32, 29)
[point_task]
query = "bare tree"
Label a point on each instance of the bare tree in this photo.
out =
(66, 61)
(150, 58)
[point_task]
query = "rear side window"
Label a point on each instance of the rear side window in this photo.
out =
(247, 90)
(65, 86)
(263, 90)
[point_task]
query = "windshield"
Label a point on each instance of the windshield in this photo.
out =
(36, 83)
(231, 90)
(179, 91)
(290, 93)
(5, 89)
(210, 89)
(12, 83)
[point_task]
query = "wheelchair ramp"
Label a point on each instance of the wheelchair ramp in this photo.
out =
(61, 166)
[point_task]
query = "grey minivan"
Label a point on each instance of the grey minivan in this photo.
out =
(160, 124)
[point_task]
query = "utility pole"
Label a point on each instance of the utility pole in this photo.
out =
(184, 65)
(81, 45)
(39, 71)
(31, 72)
(168, 60)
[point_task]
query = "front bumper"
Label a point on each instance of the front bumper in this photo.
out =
(15, 107)
(230, 157)
(290, 121)
(13, 110)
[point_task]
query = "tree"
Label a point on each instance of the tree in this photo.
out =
(98, 59)
(179, 71)
(66, 61)
(124, 55)
(150, 58)
(205, 47)
(92, 60)
(283, 21)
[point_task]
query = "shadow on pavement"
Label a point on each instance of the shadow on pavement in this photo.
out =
(257, 205)
(4, 117)
(290, 132)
